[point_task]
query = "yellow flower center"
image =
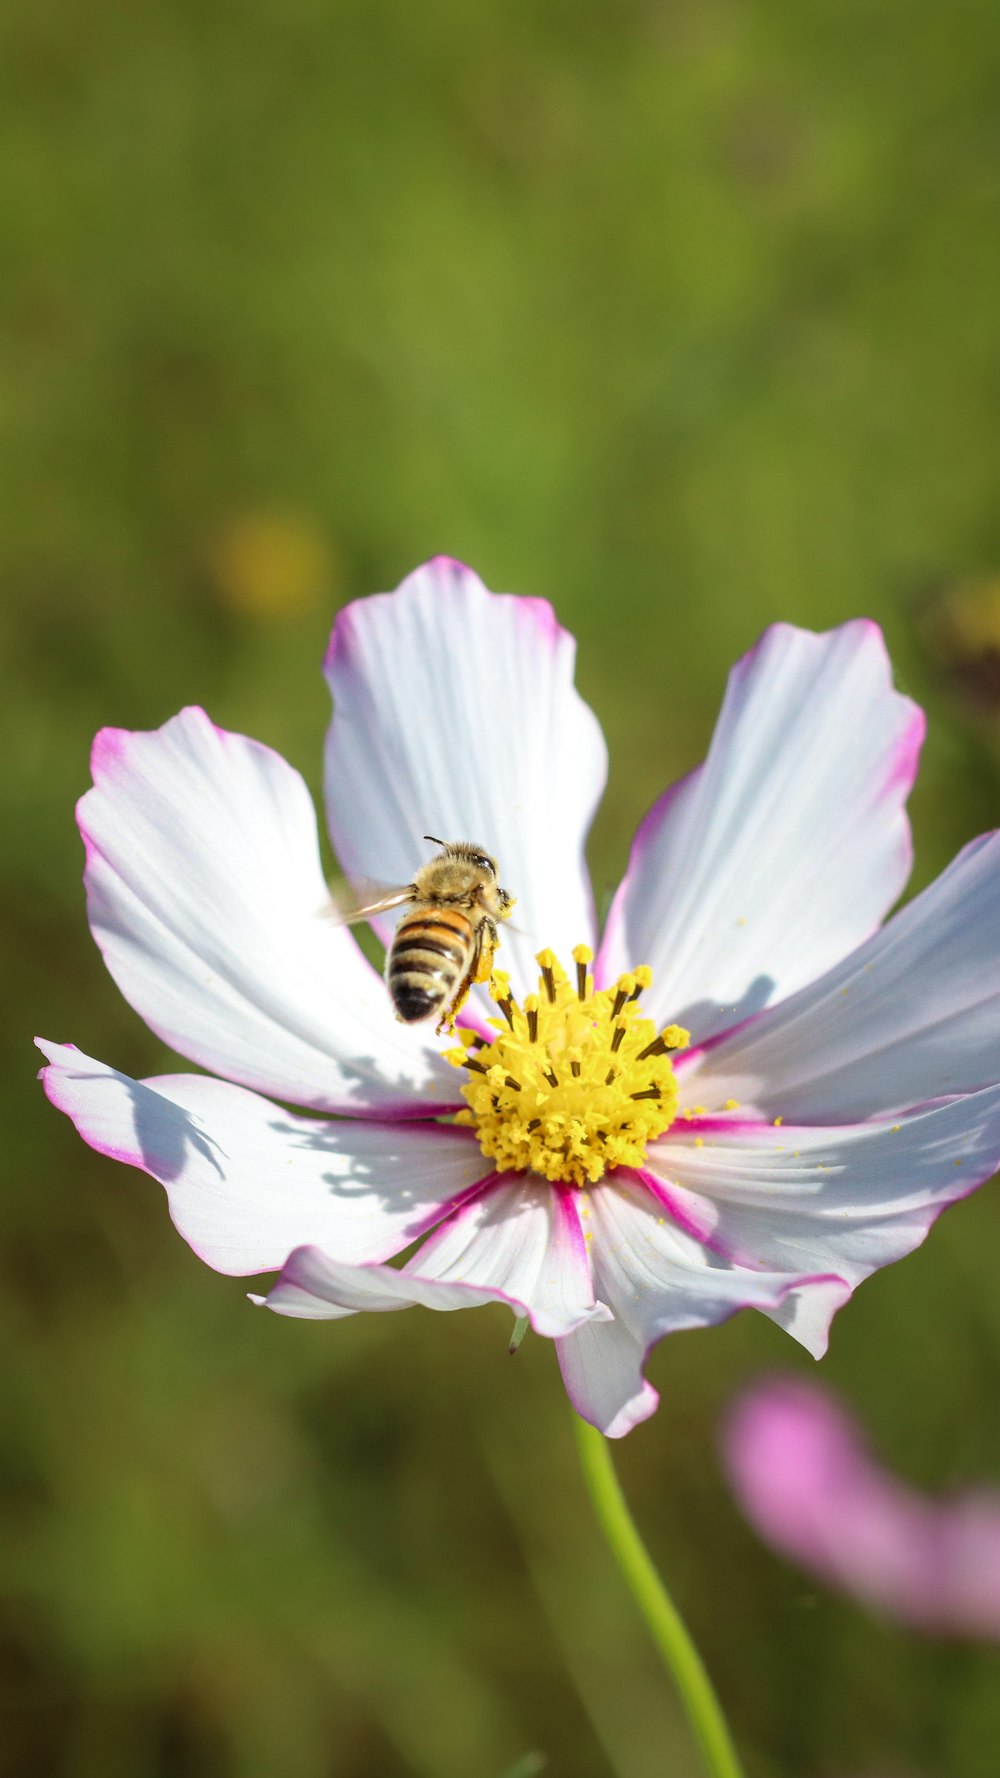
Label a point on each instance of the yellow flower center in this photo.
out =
(574, 1082)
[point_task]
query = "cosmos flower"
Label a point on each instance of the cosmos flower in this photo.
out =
(800, 1470)
(838, 1084)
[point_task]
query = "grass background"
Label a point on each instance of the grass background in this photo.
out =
(684, 316)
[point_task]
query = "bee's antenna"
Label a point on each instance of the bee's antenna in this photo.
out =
(434, 839)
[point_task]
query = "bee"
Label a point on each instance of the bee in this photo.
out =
(448, 938)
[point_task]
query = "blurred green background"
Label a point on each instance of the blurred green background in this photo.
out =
(685, 316)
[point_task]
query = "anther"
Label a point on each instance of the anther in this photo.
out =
(650, 1093)
(551, 1076)
(620, 999)
(549, 978)
(531, 1014)
(671, 1038)
(616, 1041)
(611, 1077)
(500, 992)
(477, 1067)
(575, 1069)
(535, 1123)
(515, 1085)
(582, 956)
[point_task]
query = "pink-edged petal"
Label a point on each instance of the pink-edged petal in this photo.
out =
(522, 1236)
(455, 714)
(518, 1242)
(914, 1014)
(784, 850)
(248, 1181)
(657, 1278)
(841, 1201)
(206, 896)
(602, 1372)
(805, 1479)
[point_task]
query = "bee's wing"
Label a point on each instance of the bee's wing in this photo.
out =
(351, 902)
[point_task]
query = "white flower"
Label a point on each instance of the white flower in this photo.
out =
(841, 1083)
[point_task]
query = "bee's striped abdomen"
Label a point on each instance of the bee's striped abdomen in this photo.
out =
(428, 958)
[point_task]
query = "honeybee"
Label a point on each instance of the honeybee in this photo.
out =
(448, 938)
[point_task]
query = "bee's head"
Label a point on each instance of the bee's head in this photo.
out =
(468, 850)
(498, 900)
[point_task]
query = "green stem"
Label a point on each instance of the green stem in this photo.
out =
(679, 1653)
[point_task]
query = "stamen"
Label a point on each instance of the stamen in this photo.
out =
(626, 984)
(575, 1080)
(582, 956)
(500, 992)
(546, 963)
(672, 1037)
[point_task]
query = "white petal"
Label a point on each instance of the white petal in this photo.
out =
(205, 894)
(602, 1371)
(836, 1201)
(519, 1242)
(657, 1278)
(914, 1014)
(522, 1236)
(455, 714)
(247, 1181)
(781, 853)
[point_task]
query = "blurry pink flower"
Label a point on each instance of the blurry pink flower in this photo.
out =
(841, 1084)
(802, 1475)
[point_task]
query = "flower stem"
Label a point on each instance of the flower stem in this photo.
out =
(672, 1638)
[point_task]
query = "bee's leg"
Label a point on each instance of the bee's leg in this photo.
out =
(486, 950)
(479, 970)
(447, 1020)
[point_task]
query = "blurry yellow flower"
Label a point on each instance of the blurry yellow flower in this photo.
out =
(270, 564)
